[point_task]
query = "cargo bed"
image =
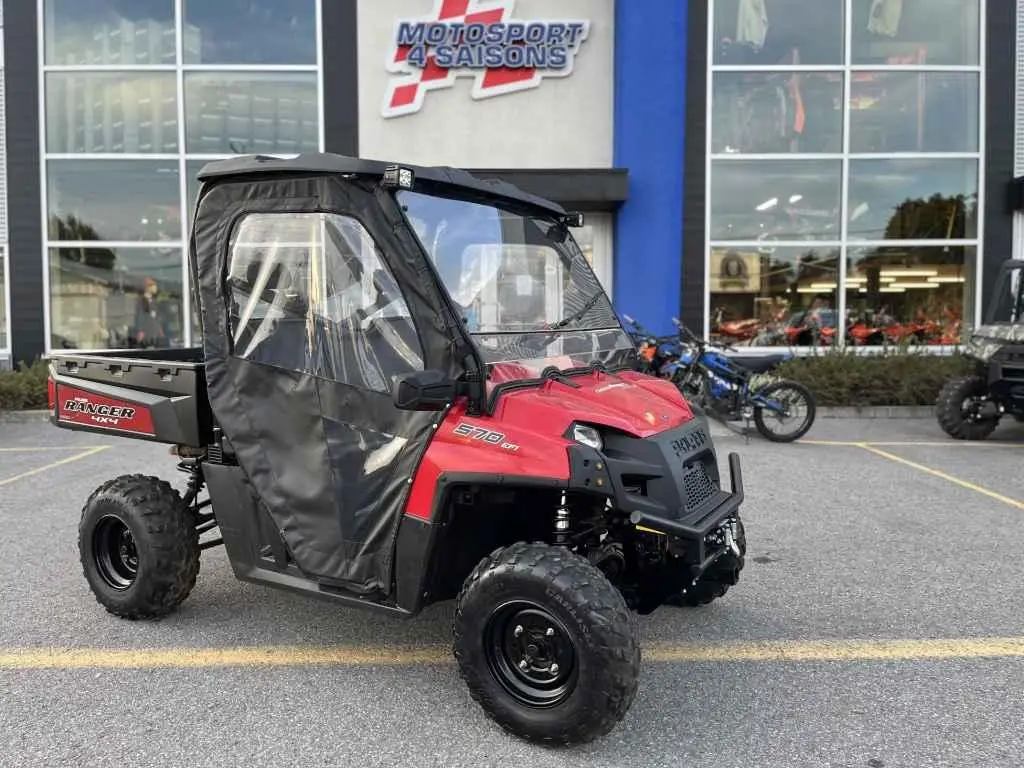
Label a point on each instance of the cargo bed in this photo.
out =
(153, 394)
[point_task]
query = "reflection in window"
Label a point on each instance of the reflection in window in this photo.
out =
(755, 32)
(777, 112)
(89, 32)
(140, 200)
(773, 296)
(916, 32)
(913, 199)
(244, 112)
(897, 295)
(111, 112)
(115, 298)
(249, 31)
(772, 200)
(914, 112)
(311, 293)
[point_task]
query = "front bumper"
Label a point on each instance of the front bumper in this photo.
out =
(667, 484)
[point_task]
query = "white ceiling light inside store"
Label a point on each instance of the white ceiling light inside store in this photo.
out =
(909, 272)
(945, 279)
(886, 289)
(795, 199)
(916, 285)
(767, 204)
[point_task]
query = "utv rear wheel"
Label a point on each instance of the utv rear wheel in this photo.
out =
(139, 547)
(546, 645)
(956, 409)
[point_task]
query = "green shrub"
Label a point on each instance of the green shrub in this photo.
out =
(891, 377)
(24, 388)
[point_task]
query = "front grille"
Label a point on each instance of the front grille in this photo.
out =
(697, 486)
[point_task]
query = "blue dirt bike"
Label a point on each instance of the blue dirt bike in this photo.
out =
(731, 389)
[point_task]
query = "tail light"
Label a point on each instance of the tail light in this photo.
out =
(647, 352)
(51, 392)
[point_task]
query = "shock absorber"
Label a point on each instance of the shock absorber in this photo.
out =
(562, 522)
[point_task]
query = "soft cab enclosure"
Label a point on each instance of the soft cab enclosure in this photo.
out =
(315, 296)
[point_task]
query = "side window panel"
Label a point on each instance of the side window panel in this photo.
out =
(310, 292)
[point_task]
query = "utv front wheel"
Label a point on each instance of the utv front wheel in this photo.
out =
(138, 546)
(546, 645)
(956, 409)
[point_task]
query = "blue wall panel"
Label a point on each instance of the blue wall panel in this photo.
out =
(650, 101)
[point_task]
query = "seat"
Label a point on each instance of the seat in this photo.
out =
(761, 363)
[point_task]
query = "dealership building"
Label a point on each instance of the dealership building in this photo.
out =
(759, 168)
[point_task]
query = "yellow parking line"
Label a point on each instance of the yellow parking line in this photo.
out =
(362, 656)
(48, 448)
(950, 478)
(47, 467)
(914, 443)
(843, 650)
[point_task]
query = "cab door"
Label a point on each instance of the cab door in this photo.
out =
(317, 323)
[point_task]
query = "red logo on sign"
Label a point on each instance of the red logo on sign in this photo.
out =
(479, 39)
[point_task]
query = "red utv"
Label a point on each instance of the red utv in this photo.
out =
(412, 388)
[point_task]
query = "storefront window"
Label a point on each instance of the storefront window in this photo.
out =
(766, 200)
(115, 298)
(113, 200)
(250, 31)
(777, 112)
(914, 111)
(913, 199)
(935, 32)
(770, 295)
(111, 112)
(91, 32)
(247, 112)
(898, 295)
(807, 224)
(117, 210)
(765, 34)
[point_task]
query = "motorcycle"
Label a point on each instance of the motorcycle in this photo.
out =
(732, 390)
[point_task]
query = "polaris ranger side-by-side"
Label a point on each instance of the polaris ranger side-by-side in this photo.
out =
(970, 407)
(411, 388)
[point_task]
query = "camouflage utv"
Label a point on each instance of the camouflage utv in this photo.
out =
(970, 407)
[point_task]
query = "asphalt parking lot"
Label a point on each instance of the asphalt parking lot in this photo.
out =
(877, 624)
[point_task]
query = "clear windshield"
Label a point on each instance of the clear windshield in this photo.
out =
(526, 292)
(1008, 303)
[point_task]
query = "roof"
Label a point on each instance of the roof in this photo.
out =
(328, 163)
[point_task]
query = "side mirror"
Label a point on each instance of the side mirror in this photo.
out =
(423, 391)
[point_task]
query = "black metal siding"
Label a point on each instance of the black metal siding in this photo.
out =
(25, 239)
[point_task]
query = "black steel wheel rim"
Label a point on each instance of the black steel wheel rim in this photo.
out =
(530, 653)
(114, 552)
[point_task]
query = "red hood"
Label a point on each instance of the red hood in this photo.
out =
(632, 402)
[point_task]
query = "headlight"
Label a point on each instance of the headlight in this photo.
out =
(587, 436)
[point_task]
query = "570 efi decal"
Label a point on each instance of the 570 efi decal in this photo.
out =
(489, 436)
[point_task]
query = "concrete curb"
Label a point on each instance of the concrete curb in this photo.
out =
(23, 417)
(879, 412)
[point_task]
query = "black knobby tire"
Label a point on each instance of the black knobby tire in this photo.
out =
(716, 582)
(789, 437)
(139, 547)
(566, 609)
(949, 409)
